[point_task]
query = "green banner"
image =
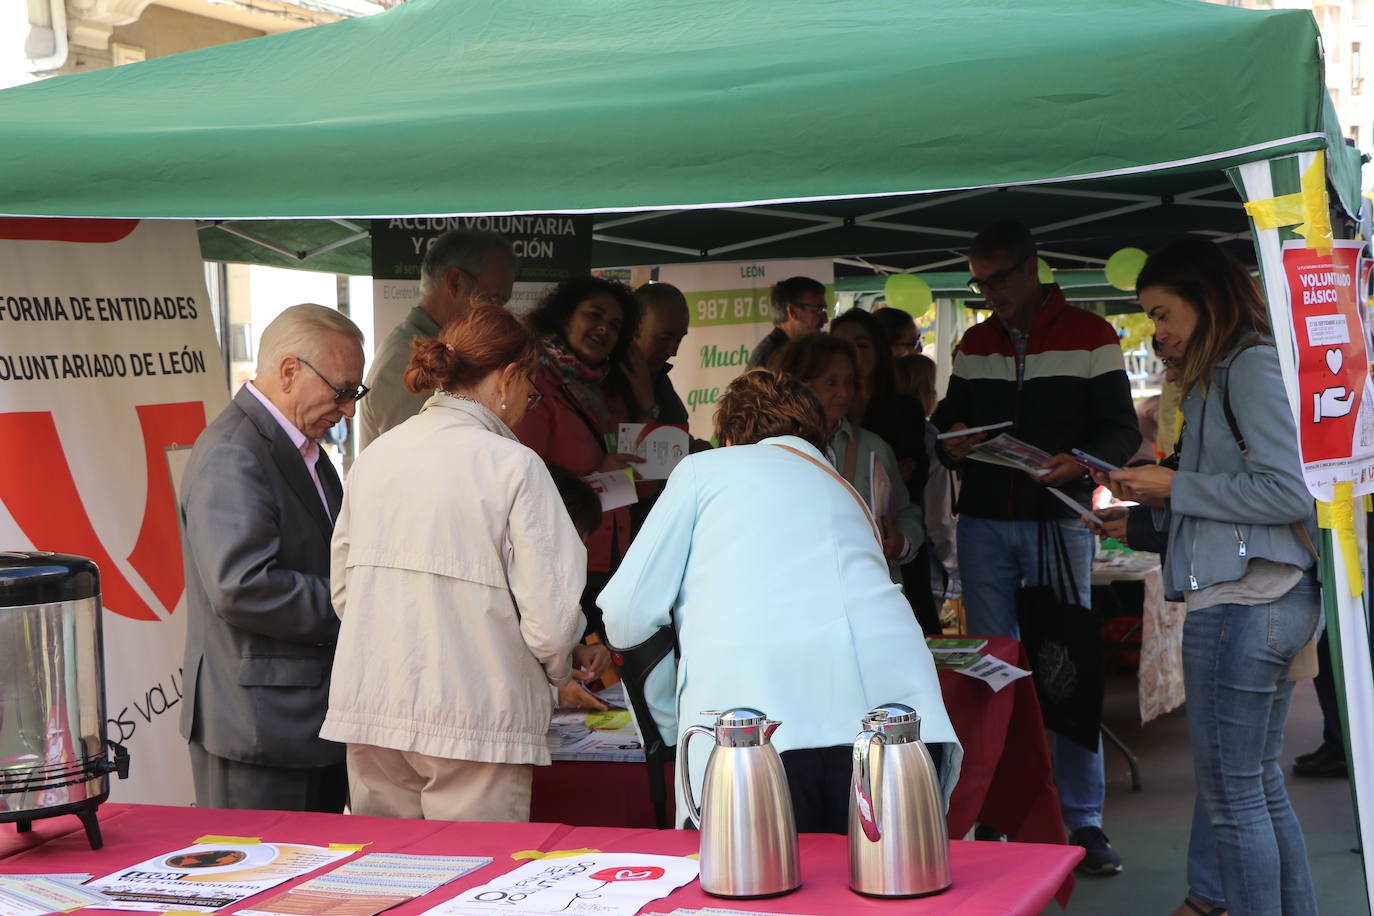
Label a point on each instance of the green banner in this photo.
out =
(729, 306)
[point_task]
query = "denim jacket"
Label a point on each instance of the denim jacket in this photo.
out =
(1225, 507)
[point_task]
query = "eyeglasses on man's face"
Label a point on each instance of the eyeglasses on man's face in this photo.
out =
(996, 280)
(341, 395)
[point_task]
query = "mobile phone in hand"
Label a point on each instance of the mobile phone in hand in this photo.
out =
(1092, 462)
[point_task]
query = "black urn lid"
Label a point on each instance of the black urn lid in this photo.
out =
(40, 577)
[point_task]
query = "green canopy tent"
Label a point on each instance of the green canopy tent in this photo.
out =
(722, 129)
(744, 129)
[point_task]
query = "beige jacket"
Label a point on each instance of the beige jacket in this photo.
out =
(457, 574)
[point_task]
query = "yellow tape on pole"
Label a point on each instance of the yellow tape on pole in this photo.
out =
(1307, 211)
(1339, 516)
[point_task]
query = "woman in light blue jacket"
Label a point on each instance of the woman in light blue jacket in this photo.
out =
(1240, 525)
(771, 570)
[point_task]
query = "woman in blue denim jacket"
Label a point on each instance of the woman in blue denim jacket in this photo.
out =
(1240, 524)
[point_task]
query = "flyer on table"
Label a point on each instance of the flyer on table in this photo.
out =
(35, 895)
(208, 876)
(368, 885)
(605, 884)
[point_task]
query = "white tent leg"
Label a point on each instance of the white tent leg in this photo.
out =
(1347, 616)
(949, 327)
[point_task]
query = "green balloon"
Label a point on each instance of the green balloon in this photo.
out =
(909, 293)
(1124, 266)
(1046, 273)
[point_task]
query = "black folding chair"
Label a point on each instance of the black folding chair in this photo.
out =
(635, 663)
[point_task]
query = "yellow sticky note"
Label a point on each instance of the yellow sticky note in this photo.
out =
(182, 912)
(349, 847)
(214, 839)
(554, 854)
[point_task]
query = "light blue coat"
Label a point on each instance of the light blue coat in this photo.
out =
(783, 603)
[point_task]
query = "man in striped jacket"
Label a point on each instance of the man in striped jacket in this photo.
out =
(1057, 374)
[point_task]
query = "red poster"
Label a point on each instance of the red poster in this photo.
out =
(1335, 405)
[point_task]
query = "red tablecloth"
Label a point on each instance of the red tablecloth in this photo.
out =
(1006, 782)
(1000, 878)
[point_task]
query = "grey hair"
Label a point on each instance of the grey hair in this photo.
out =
(789, 291)
(297, 330)
(467, 249)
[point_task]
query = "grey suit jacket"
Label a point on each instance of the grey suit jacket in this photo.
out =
(260, 629)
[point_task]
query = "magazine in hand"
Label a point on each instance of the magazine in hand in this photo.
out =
(1011, 452)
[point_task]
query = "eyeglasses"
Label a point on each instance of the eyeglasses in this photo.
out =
(997, 280)
(341, 395)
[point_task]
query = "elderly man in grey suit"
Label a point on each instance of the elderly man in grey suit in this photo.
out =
(258, 502)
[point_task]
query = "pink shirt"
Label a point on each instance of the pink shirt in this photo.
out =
(309, 448)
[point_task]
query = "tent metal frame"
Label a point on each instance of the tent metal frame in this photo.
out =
(1124, 204)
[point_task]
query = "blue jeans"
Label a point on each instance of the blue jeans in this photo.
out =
(1235, 669)
(995, 559)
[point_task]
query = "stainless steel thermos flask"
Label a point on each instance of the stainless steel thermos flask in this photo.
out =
(898, 841)
(748, 833)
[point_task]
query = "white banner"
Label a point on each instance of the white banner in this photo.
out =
(730, 310)
(108, 358)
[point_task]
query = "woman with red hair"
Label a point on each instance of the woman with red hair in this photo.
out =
(456, 573)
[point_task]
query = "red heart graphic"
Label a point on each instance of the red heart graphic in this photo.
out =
(648, 873)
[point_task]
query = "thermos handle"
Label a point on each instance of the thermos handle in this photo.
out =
(685, 778)
(863, 785)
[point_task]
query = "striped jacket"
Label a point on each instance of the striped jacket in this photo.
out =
(1075, 394)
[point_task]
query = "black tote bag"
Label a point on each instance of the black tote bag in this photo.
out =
(1063, 640)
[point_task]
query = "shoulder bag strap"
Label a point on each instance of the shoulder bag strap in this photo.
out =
(1068, 584)
(851, 456)
(846, 484)
(1226, 401)
(1298, 527)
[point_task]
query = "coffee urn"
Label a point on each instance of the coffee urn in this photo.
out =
(54, 756)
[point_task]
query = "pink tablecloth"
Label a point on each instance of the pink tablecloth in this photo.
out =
(1006, 783)
(1002, 878)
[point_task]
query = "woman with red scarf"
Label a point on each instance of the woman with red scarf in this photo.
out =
(592, 379)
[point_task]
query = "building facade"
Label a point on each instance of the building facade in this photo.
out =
(1347, 29)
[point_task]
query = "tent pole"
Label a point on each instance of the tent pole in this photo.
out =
(1347, 614)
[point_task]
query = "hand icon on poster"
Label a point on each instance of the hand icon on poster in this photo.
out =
(1332, 403)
